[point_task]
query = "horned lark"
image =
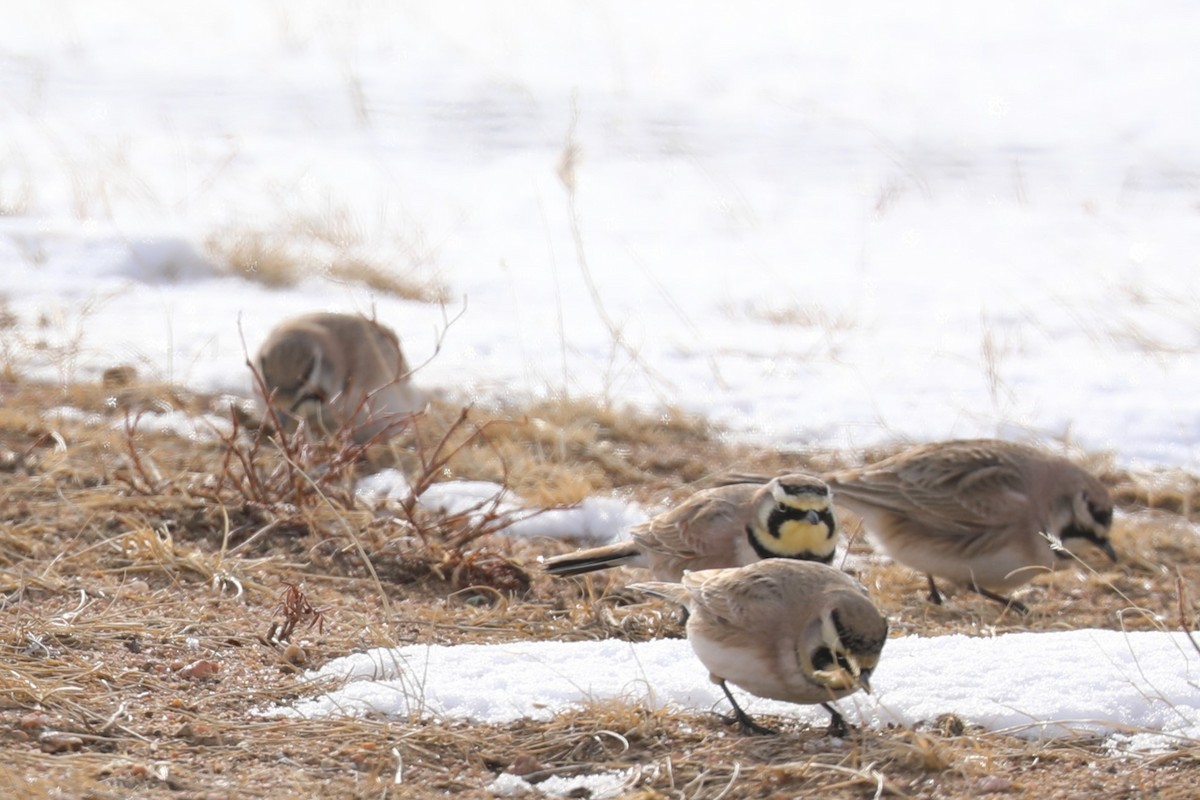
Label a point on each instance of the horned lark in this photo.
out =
(985, 513)
(729, 526)
(332, 370)
(784, 630)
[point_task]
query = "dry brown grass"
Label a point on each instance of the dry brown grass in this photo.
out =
(811, 315)
(156, 590)
(333, 250)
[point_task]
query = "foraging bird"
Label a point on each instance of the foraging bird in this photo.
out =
(728, 526)
(784, 630)
(981, 512)
(332, 370)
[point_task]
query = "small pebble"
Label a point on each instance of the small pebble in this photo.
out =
(524, 764)
(199, 733)
(295, 655)
(33, 721)
(994, 783)
(201, 670)
(58, 742)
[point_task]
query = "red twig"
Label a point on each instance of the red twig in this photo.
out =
(295, 609)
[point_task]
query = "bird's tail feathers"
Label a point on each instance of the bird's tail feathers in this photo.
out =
(675, 592)
(596, 558)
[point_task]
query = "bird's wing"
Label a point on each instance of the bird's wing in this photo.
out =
(733, 597)
(953, 491)
(683, 532)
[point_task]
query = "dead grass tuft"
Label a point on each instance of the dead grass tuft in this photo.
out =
(315, 248)
(257, 257)
(384, 281)
(810, 315)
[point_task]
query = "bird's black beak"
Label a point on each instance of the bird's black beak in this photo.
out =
(1107, 548)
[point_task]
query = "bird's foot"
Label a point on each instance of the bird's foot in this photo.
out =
(740, 717)
(748, 725)
(1015, 605)
(935, 596)
(837, 723)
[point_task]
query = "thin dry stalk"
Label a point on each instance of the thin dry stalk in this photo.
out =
(568, 163)
(1184, 624)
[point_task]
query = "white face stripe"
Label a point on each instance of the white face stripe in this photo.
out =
(310, 393)
(836, 676)
(829, 633)
(310, 380)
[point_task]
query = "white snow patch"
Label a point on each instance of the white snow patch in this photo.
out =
(1036, 685)
(595, 519)
(195, 427)
(598, 786)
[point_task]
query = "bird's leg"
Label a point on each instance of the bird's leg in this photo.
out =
(749, 726)
(935, 596)
(1016, 605)
(837, 723)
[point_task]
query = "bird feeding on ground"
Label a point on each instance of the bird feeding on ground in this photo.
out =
(795, 631)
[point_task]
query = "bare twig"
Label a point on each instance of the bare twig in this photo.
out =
(1183, 617)
(295, 609)
(566, 173)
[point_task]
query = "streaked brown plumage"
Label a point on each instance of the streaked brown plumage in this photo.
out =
(984, 513)
(795, 631)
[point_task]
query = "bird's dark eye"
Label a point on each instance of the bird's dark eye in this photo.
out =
(823, 658)
(1101, 515)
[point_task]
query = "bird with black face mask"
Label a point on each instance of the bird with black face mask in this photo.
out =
(333, 371)
(789, 516)
(785, 630)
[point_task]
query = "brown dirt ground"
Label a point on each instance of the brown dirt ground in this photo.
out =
(144, 579)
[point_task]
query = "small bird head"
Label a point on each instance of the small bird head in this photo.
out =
(794, 518)
(1085, 512)
(293, 372)
(846, 644)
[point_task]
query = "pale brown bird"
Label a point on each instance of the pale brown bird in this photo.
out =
(789, 516)
(984, 513)
(795, 631)
(332, 370)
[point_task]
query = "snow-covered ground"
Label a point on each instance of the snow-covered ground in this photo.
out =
(815, 224)
(1117, 683)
